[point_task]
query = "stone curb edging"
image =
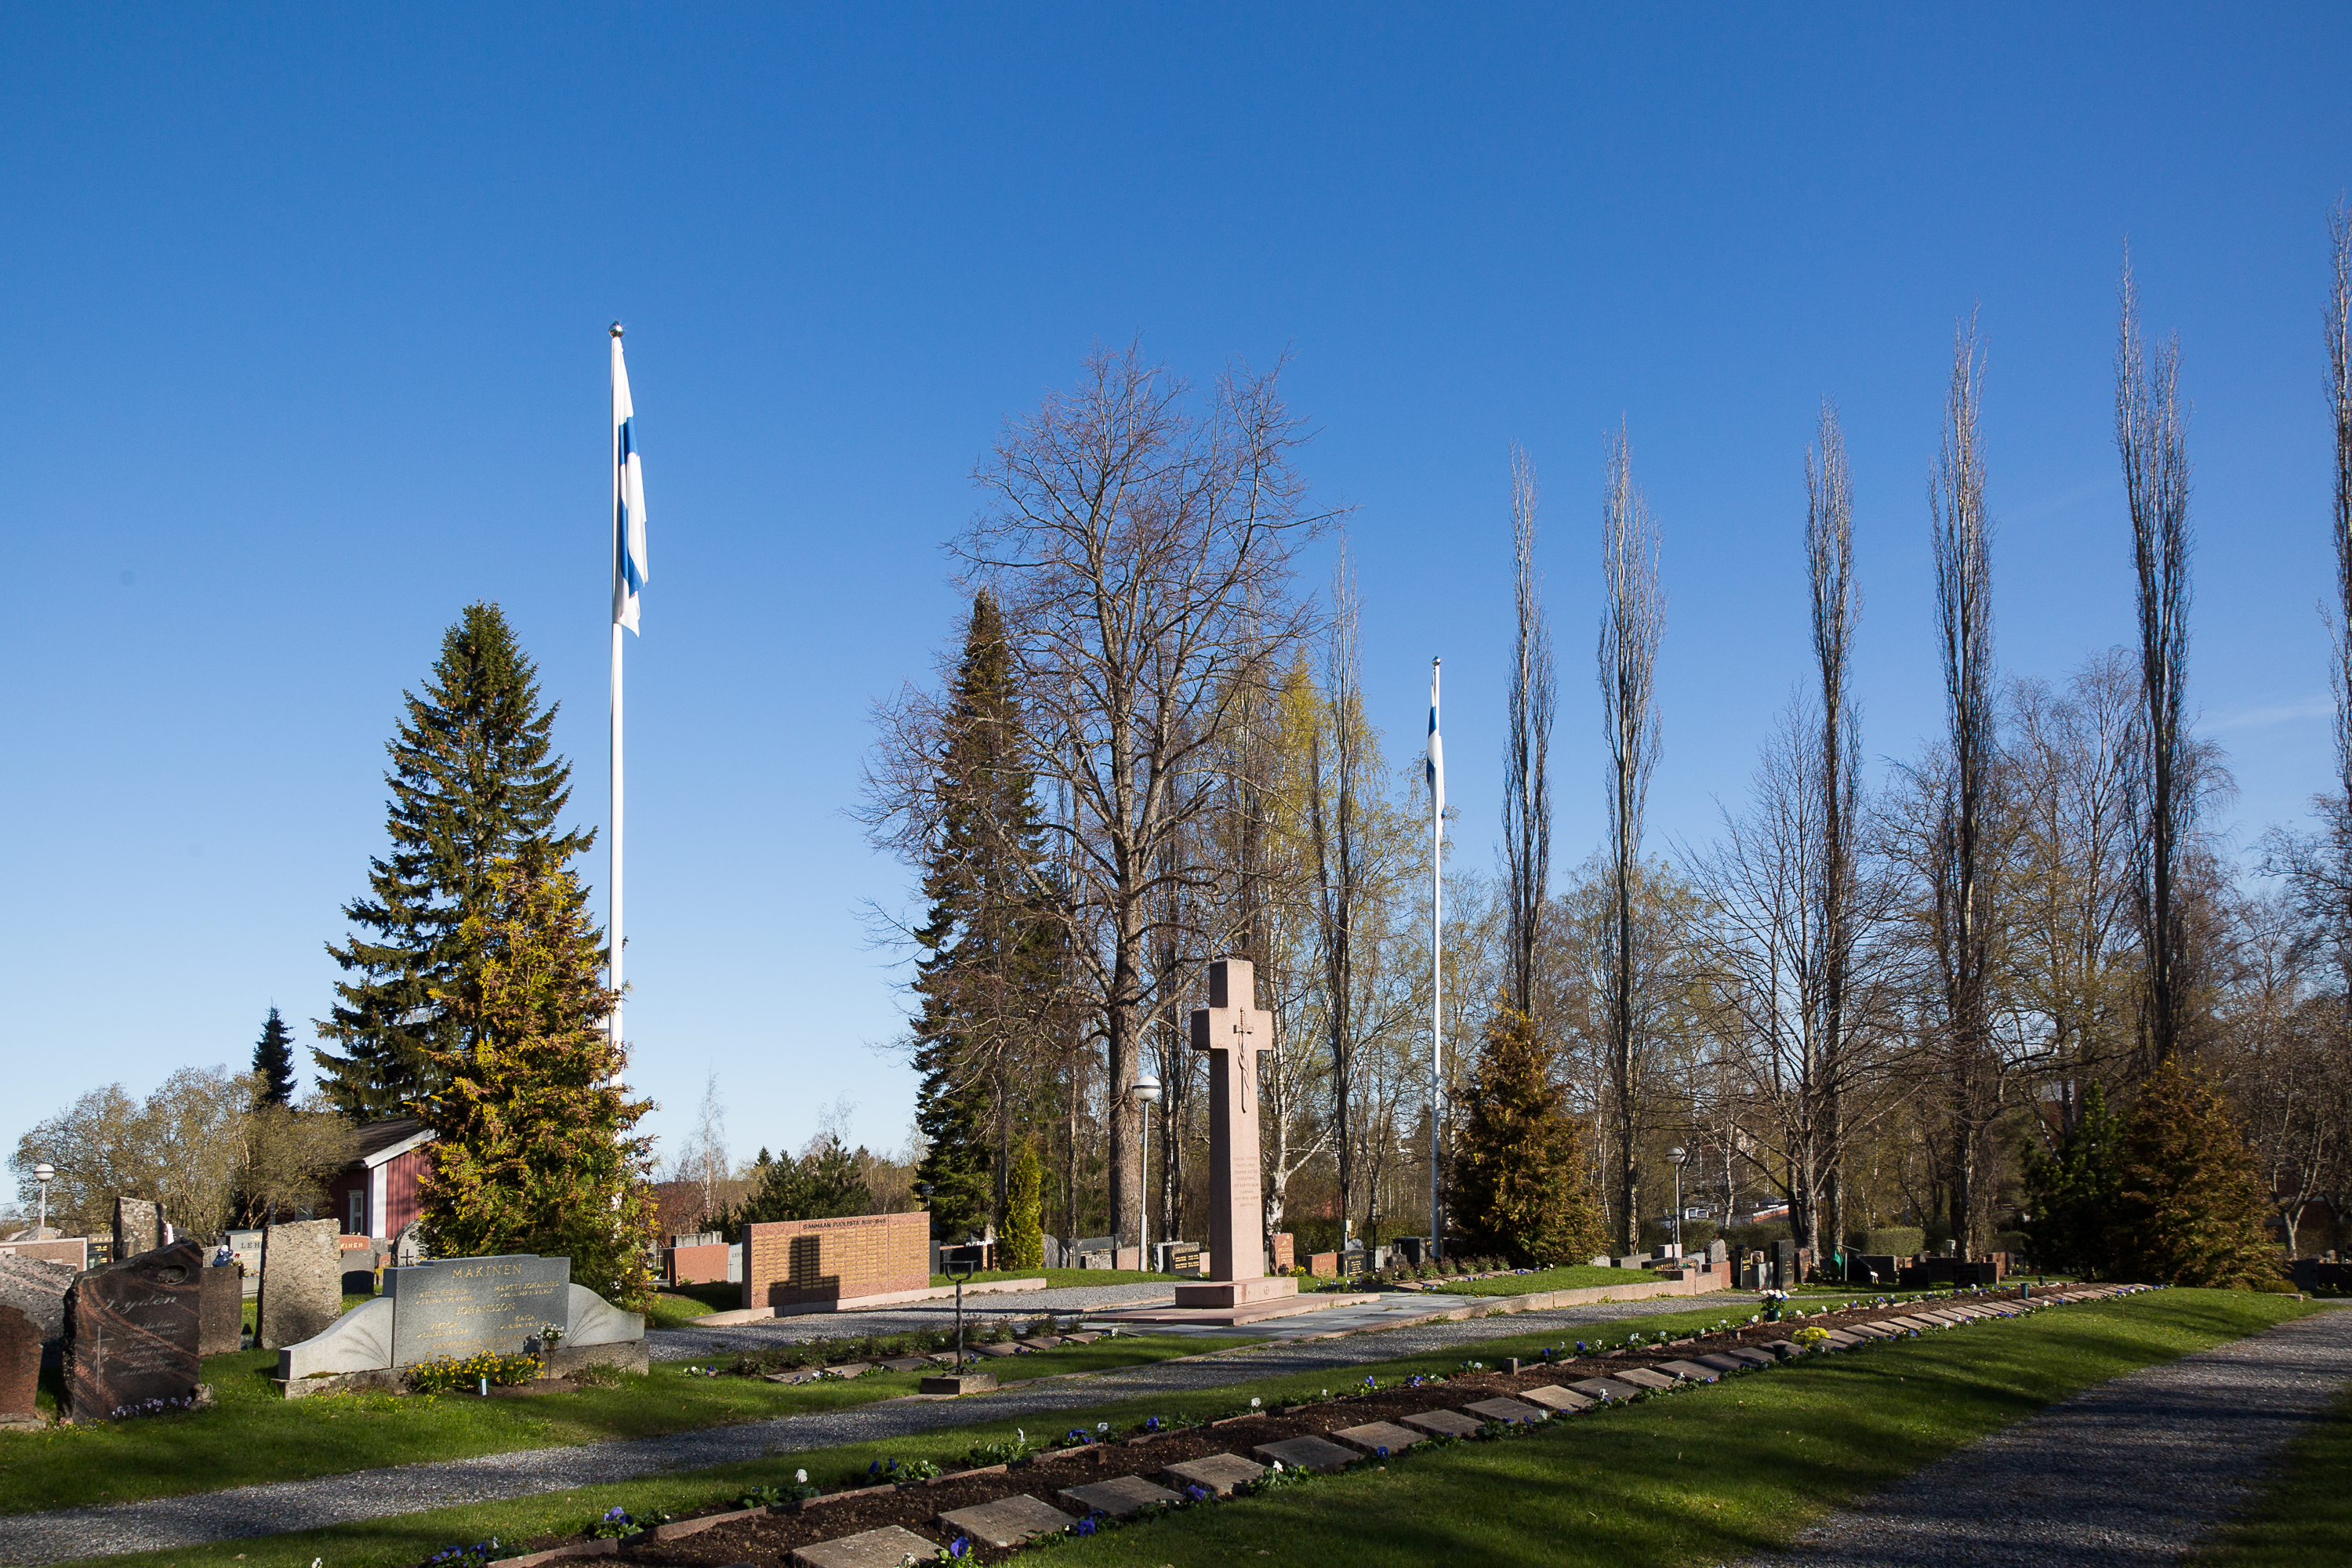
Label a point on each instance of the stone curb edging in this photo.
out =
(1979, 1308)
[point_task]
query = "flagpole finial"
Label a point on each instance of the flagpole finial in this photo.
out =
(617, 329)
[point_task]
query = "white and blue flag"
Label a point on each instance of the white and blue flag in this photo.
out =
(629, 570)
(1433, 770)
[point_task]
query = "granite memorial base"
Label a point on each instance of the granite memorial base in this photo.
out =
(462, 1307)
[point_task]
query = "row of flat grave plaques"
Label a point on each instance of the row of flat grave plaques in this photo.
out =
(1013, 1521)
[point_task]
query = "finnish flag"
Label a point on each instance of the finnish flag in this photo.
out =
(629, 570)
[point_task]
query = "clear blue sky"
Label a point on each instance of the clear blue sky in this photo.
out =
(304, 349)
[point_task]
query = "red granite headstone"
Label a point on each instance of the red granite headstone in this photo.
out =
(132, 1333)
(220, 1312)
(20, 1367)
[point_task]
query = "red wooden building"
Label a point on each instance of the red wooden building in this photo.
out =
(375, 1194)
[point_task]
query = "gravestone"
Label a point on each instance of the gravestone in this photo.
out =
(1285, 1252)
(220, 1312)
(473, 1306)
(1784, 1264)
(301, 1282)
(39, 1290)
(409, 1250)
(132, 1333)
(1717, 1252)
(244, 1249)
(1053, 1253)
(20, 1369)
(1094, 1251)
(1234, 1031)
(137, 1227)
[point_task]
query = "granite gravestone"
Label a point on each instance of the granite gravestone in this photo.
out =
(137, 1227)
(20, 1369)
(220, 1312)
(301, 1282)
(1784, 1264)
(1718, 1251)
(244, 1251)
(39, 1290)
(473, 1306)
(132, 1332)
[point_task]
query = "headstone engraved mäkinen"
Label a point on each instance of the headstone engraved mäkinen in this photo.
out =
(459, 1307)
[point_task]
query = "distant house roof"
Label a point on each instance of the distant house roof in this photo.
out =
(378, 1143)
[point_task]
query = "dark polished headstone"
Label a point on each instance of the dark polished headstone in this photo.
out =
(220, 1312)
(132, 1332)
(20, 1367)
(460, 1307)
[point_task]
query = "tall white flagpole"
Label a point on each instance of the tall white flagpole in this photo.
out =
(617, 527)
(1436, 960)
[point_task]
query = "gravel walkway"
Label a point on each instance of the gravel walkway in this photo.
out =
(2136, 1470)
(243, 1512)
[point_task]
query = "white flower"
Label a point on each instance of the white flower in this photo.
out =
(1253, 1406)
(799, 1477)
(1278, 1464)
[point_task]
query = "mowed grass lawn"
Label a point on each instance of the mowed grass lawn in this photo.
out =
(254, 1434)
(2303, 1516)
(1700, 1476)
(1573, 1277)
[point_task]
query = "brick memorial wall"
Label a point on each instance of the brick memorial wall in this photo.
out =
(801, 1262)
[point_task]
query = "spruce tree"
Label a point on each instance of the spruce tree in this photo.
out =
(475, 781)
(1520, 1176)
(824, 1184)
(987, 969)
(2192, 1208)
(534, 1149)
(273, 1061)
(2073, 1191)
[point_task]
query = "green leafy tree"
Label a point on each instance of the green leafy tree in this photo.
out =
(2072, 1194)
(273, 1061)
(475, 781)
(986, 979)
(535, 1149)
(2191, 1204)
(1025, 1234)
(823, 1184)
(1519, 1175)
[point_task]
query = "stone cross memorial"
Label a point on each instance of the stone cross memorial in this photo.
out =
(1235, 1031)
(132, 1332)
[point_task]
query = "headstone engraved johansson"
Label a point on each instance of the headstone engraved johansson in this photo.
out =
(132, 1332)
(460, 1307)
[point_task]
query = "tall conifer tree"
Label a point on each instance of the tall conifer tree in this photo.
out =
(986, 975)
(473, 781)
(273, 1061)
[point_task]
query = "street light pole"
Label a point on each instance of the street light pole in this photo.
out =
(1677, 1154)
(1147, 1091)
(43, 1174)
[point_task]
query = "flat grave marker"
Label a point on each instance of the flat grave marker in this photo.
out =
(888, 1547)
(1511, 1410)
(1721, 1362)
(1645, 1377)
(1696, 1372)
(1443, 1424)
(1008, 1521)
(1219, 1473)
(1318, 1454)
(1557, 1400)
(1118, 1497)
(1374, 1436)
(1604, 1388)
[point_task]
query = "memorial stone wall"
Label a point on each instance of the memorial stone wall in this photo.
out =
(804, 1262)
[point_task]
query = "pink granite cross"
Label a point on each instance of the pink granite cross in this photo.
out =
(1234, 1030)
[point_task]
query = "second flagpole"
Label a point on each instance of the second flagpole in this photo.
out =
(614, 530)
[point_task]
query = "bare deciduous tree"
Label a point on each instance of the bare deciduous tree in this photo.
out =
(1962, 536)
(1527, 792)
(1139, 551)
(1632, 622)
(2149, 435)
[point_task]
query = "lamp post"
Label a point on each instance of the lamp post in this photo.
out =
(43, 1174)
(1679, 1154)
(1147, 1091)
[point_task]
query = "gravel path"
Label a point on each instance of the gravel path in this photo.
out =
(243, 1512)
(2136, 1470)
